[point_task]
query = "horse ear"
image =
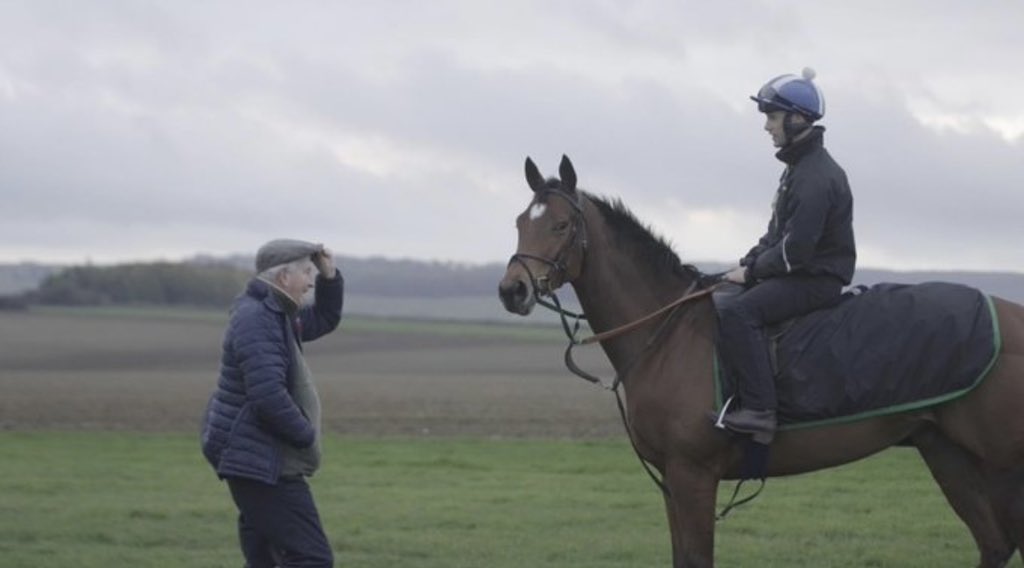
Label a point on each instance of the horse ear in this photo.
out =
(568, 174)
(533, 177)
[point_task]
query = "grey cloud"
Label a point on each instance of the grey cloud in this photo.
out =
(177, 138)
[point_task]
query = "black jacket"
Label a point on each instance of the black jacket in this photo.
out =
(811, 230)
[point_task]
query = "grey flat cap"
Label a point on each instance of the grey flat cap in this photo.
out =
(283, 251)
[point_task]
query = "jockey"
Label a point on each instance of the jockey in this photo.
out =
(804, 258)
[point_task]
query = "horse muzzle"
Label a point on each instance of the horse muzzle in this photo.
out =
(517, 295)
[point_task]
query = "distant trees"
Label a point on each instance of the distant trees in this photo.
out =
(215, 281)
(162, 283)
(209, 281)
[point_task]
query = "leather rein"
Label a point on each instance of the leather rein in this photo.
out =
(542, 287)
(559, 267)
(669, 311)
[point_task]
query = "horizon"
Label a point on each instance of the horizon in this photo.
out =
(452, 262)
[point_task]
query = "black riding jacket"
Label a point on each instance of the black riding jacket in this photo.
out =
(811, 230)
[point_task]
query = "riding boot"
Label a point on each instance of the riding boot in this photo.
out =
(760, 423)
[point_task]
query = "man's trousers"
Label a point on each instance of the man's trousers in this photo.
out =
(278, 525)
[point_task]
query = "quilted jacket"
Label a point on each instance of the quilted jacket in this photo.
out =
(251, 412)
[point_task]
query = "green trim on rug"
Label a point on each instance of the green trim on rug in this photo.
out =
(997, 346)
(718, 381)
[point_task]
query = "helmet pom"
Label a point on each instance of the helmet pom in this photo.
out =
(808, 73)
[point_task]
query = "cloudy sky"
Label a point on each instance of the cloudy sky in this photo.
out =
(143, 130)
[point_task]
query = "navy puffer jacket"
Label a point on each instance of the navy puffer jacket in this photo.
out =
(252, 413)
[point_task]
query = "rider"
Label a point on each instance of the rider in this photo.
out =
(803, 260)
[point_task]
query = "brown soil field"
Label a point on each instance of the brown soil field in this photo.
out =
(155, 372)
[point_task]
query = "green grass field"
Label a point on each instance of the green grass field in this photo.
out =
(148, 500)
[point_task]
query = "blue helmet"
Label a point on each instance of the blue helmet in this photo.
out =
(792, 94)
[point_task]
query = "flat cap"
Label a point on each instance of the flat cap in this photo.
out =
(283, 251)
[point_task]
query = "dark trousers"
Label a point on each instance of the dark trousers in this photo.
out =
(742, 318)
(278, 525)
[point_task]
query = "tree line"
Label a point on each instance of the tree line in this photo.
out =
(209, 281)
(215, 281)
(162, 283)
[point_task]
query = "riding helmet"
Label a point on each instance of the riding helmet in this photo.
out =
(791, 93)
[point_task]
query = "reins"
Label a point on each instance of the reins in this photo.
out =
(615, 332)
(559, 267)
(670, 311)
(571, 331)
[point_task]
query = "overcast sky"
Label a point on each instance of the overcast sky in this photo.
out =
(143, 130)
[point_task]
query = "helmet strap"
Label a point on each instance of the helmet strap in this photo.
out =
(793, 128)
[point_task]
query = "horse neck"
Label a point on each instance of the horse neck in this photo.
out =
(616, 287)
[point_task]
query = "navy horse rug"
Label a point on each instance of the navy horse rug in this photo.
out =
(889, 348)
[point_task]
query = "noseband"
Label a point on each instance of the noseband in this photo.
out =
(557, 266)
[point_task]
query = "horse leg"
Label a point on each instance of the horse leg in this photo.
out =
(967, 489)
(691, 514)
(674, 528)
(1006, 493)
(988, 421)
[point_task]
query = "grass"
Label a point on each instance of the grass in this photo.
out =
(117, 499)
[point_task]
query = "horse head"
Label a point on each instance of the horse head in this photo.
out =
(552, 240)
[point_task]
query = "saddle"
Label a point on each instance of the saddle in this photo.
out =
(880, 350)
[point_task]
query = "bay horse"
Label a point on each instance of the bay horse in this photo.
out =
(621, 272)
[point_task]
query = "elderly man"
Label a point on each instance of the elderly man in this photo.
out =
(261, 431)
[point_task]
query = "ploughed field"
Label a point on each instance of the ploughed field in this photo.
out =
(153, 370)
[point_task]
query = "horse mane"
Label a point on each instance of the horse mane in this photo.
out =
(645, 245)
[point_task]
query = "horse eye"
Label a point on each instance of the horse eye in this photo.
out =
(561, 226)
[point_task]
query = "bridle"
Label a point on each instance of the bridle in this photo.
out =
(559, 265)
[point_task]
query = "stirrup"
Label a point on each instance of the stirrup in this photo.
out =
(721, 415)
(759, 437)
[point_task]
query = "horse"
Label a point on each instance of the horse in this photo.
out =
(623, 274)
